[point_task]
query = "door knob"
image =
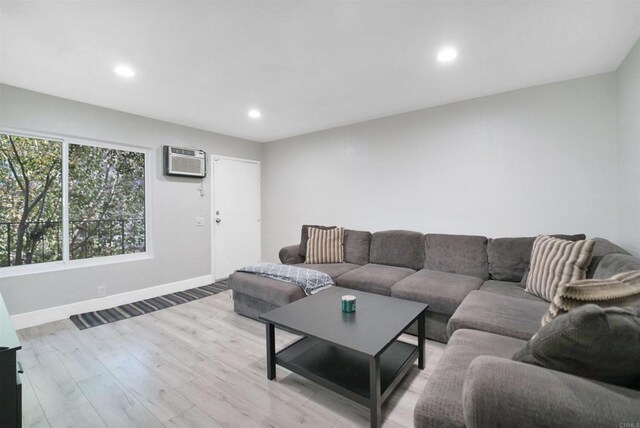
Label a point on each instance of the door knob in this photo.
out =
(218, 220)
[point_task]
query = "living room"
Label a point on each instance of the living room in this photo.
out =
(428, 130)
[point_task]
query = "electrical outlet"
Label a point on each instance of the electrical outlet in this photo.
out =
(199, 221)
(102, 291)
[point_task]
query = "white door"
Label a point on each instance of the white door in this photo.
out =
(236, 214)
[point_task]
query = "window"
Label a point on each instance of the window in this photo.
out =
(105, 190)
(31, 200)
(106, 202)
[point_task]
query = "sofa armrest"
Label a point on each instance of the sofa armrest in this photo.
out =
(289, 255)
(500, 392)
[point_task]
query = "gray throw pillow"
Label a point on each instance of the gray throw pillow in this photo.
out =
(592, 342)
(304, 237)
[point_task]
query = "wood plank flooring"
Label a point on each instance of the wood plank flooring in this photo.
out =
(194, 365)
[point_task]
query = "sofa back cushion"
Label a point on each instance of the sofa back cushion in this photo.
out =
(509, 257)
(615, 263)
(601, 249)
(401, 248)
(461, 254)
(357, 245)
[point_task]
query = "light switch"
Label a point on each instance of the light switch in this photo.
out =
(199, 221)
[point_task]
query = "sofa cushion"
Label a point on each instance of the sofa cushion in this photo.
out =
(461, 254)
(401, 248)
(601, 248)
(357, 245)
(440, 404)
(506, 288)
(615, 263)
(325, 245)
(504, 315)
(270, 290)
(555, 262)
(373, 278)
(509, 257)
(597, 343)
(334, 270)
(304, 236)
(443, 291)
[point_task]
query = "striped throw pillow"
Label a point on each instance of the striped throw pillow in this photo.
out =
(555, 262)
(620, 290)
(325, 246)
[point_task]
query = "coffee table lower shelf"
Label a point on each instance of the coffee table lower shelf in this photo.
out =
(345, 371)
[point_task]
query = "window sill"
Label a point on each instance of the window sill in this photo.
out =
(10, 271)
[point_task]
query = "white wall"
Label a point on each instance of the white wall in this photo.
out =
(537, 160)
(629, 150)
(181, 250)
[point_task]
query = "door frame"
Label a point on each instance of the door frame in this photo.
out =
(212, 217)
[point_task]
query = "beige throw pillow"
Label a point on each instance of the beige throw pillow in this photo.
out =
(325, 246)
(620, 290)
(555, 262)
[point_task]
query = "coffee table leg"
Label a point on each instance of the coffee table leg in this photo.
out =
(271, 352)
(421, 334)
(374, 392)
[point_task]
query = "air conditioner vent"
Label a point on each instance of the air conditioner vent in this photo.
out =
(185, 162)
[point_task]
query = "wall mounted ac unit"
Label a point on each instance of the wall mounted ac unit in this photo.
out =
(185, 162)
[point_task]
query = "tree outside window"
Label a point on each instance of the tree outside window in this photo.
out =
(106, 202)
(105, 190)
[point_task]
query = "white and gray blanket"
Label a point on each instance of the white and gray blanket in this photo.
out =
(309, 280)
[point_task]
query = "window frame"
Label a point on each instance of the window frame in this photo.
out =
(66, 262)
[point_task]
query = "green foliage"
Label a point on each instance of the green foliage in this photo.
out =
(106, 201)
(30, 200)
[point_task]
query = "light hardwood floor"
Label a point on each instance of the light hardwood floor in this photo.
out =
(194, 365)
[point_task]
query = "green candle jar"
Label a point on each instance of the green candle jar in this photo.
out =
(348, 303)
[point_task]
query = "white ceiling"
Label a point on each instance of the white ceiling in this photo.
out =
(307, 65)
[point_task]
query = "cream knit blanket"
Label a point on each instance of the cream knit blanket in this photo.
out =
(622, 289)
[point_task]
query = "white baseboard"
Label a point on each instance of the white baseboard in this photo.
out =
(43, 316)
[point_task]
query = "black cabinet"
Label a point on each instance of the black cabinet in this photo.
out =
(10, 385)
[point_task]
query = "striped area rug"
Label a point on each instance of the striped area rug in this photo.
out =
(94, 319)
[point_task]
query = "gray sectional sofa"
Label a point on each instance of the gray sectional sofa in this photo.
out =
(478, 305)
(456, 275)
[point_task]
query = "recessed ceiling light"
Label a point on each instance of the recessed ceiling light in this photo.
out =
(254, 114)
(447, 54)
(124, 71)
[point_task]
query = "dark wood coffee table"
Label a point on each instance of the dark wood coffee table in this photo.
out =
(354, 354)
